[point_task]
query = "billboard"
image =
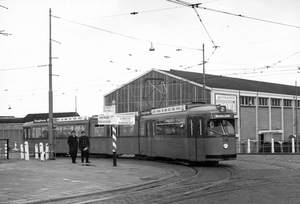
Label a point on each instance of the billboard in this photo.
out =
(230, 101)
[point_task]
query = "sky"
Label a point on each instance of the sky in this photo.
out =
(99, 45)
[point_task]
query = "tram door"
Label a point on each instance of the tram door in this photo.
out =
(195, 139)
(149, 136)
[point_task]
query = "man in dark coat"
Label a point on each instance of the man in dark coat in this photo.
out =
(73, 146)
(84, 146)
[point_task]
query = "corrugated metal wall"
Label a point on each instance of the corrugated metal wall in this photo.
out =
(154, 90)
(12, 131)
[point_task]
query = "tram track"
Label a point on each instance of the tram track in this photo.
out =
(174, 188)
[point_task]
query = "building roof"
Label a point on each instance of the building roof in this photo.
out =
(37, 116)
(222, 82)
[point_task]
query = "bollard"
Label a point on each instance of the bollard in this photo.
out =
(26, 150)
(248, 146)
(42, 151)
(22, 151)
(15, 147)
(36, 151)
(293, 145)
(5, 151)
(46, 151)
(272, 145)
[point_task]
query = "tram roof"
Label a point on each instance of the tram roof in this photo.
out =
(222, 82)
(44, 116)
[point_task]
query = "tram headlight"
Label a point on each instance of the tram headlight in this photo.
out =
(225, 146)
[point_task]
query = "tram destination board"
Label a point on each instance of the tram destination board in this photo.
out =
(117, 119)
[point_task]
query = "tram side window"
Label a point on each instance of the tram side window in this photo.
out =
(195, 126)
(192, 127)
(27, 133)
(142, 128)
(36, 132)
(44, 132)
(58, 132)
(99, 131)
(159, 130)
(126, 130)
(78, 129)
(150, 128)
(67, 130)
(175, 126)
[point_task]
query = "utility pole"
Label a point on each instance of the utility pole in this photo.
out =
(203, 62)
(50, 122)
(296, 118)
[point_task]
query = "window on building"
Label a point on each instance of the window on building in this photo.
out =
(297, 103)
(275, 102)
(263, 101)
(287, 103)
(247, 101)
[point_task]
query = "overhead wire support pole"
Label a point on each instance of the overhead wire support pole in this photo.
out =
(50, 122)
(203, 63)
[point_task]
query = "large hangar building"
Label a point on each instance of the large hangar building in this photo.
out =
(262, 110)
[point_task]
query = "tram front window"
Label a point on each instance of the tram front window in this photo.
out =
(220, 127)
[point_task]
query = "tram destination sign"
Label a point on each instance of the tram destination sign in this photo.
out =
(116, 119)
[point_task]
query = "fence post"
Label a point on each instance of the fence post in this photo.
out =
(22, 151)
(248, 146)
(272, 145)
(42, 151)
(36, 151)
(26, 148)
(293, 145)
(46, 151)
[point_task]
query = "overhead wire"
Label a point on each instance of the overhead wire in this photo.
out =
(252, 18)
(17, 68)
(126, 36)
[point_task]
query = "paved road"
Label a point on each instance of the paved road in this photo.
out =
(35, 181)
(32, 181)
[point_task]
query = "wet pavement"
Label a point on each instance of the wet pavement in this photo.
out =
(34, 181)
(37, 181)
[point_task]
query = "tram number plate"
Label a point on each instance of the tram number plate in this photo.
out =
(225, 139)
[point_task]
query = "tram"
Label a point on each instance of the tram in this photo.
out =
(190, 132)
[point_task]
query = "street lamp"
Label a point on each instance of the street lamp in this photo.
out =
(152, 48)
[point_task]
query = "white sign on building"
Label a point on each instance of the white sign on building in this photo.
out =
(230, 101)
(109, 110)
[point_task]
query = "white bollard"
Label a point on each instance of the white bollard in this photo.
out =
(272, 145)
(293, 145)
(22, 151)
(42, 151)
(5, 150)
(15, 147)
(248, 146)
(26, 150)
(36, 151)
(46, 151)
